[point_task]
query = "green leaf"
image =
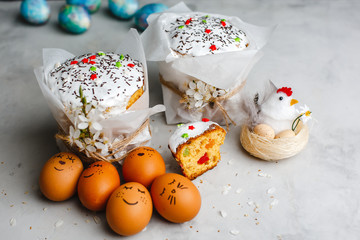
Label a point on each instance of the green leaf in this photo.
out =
(118, 64)
(121, 57)
(185, 135)
(93, 68)
(181, 27)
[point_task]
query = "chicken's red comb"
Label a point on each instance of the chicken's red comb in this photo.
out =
(285, 90)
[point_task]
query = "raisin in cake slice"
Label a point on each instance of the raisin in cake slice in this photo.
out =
(196, 146)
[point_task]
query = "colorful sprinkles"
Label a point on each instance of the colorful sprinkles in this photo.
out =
(198, 35)
(100, 78)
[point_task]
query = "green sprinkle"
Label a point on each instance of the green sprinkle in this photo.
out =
(118, 64)
(223, 20)
(207, 16)
(237, 39)
(180, 124)
(185, 135)
(101, 54)
(93, 68)
(186, 152)
(181, 27)
(204, 21)
(121, 57)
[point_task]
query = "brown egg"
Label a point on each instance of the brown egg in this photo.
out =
(264, 130)
(96, 184)
(175, 197)
(288, 133)
(59, 176)
(143, 165)
(129, 209)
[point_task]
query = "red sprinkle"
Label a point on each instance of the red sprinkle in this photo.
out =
(92, 57)
(205, 120)
(92, 62)
(207, 30)
(131, 65)
(188, 21)
(223, 23)
(191, 127)
(85, 60)
(93, 76)
(213, 47)
(73, 62)
(203, 159)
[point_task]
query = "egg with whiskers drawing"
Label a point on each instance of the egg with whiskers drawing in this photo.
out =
(175, 197)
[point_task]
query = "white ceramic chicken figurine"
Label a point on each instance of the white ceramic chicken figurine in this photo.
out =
(278, 110)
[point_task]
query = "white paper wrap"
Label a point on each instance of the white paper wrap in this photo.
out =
(117, 126)
(223, 70)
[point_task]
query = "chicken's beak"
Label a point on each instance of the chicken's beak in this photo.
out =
(293, 101)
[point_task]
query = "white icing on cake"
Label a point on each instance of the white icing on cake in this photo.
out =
(107, 80)
(179, 136)
(199, 34)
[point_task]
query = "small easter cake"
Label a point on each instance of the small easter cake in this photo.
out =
(113, 81)
(196, 146)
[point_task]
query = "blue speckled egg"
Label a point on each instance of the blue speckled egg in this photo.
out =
(35, 11)
(124, 9)
(143, 13)
(91, 5)
(74, 19)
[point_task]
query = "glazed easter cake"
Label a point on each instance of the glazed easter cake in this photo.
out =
(112, 82)
(202, 34)
(196, 146)
(203, 61)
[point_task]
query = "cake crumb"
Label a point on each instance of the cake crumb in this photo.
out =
(223, 214)
(239, 190)
(11, 205)
(27, 192)
(246, 215)
(234, 232)
(68, 209)
(23, 202)
(59, 223)
(97, 220)
(226, 189)
(274, 203)
(30, 227)
(44, 209)
(12, 222)
(87, 220)
(271, 190)
(191, 226)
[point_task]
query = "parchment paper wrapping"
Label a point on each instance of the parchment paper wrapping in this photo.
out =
(116, 127)
(226, 70)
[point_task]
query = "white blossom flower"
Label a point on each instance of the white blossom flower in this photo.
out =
(73, 135)
(199, 93)
(305, 113)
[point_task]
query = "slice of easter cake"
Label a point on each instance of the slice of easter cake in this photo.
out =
(196, 146)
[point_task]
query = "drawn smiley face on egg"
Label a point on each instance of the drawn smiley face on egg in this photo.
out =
(129, 209)
(63, 161)
(175, 197)
(59, 176)
(96, 184)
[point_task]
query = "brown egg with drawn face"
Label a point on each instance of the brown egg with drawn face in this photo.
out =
(129, 209)
(96, 184)
(175, 197)
(143, 165)
(59, 176)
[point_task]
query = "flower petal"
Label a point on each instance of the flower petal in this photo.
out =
(83, 125)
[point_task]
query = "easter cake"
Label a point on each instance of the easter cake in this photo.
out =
(203, 60)
(112, 81)
(196, 146)
(200, 34)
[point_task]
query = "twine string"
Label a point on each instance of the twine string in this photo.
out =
(216, 100)
(115, 148)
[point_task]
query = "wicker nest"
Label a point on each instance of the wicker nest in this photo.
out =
(274, 149)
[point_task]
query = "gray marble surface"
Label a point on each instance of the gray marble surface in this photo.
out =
(315, 50)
